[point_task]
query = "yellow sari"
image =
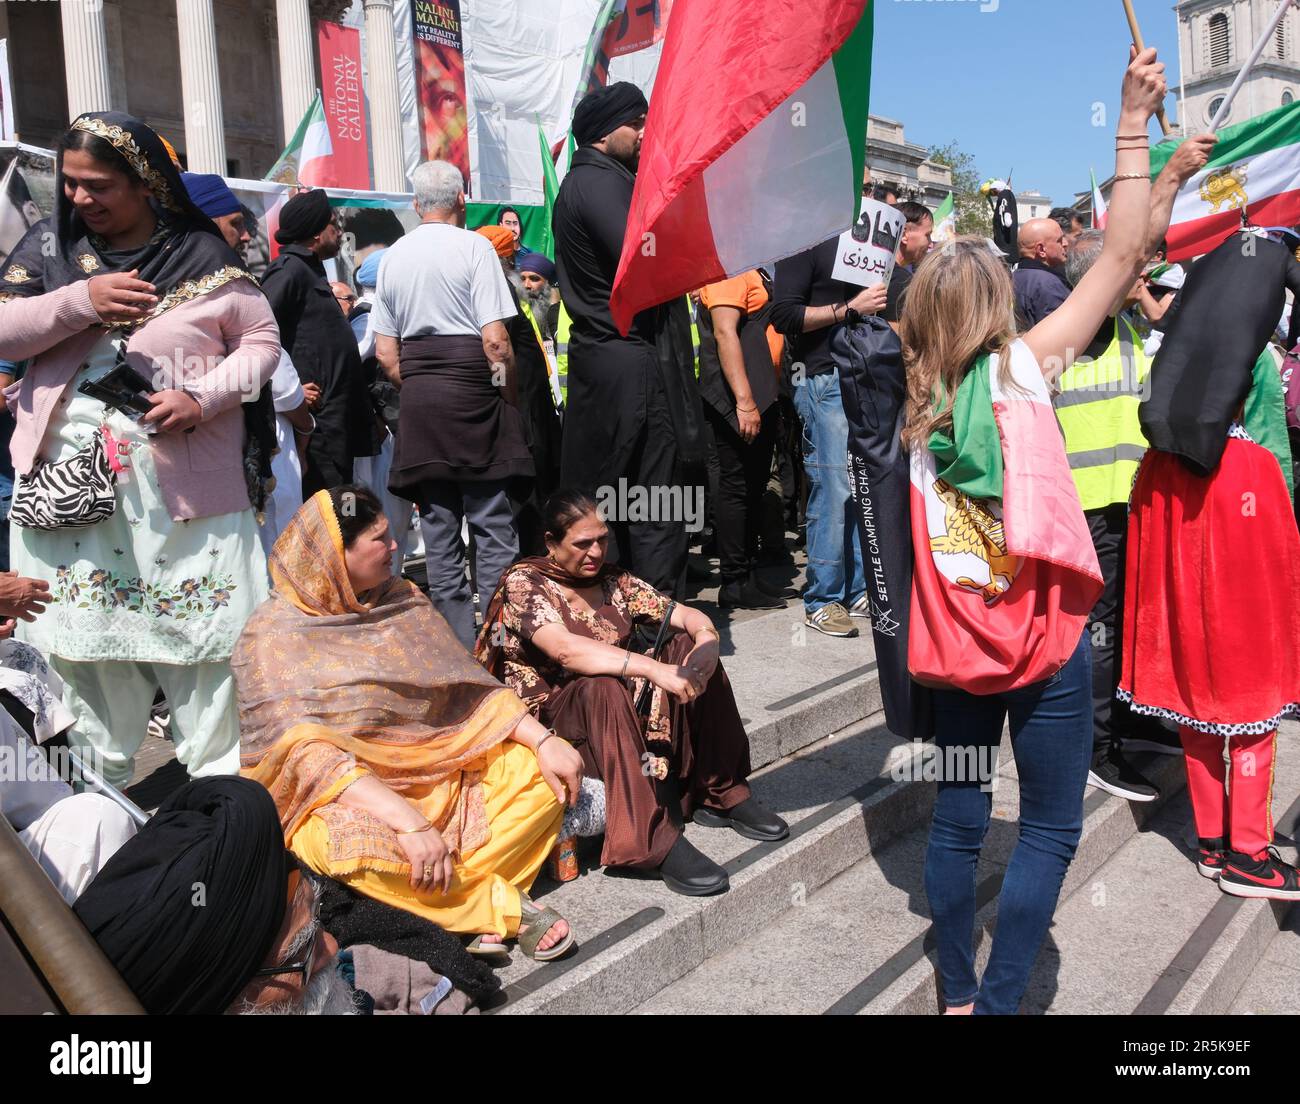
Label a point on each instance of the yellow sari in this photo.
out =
(331, 688)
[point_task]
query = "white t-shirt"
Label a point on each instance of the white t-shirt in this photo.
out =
(440, 279)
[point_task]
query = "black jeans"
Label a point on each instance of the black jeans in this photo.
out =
(743, 470)
(1112, 719)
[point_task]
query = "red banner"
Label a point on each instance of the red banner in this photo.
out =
(640, 24)
(345, 105)
(440, 83)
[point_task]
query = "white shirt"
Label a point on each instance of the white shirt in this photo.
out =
(440, 279)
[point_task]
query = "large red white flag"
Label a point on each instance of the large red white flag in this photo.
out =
(1254, 168)
(754, 144)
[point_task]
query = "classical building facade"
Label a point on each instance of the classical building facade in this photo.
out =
(1214, 38)
(893, 160)
(223, 80)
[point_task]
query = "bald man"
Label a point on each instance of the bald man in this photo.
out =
(1039, 281)
(344, 296)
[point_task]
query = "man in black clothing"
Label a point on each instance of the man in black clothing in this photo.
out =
(912, 247)
(625, 409)
(807, 304)
(315, 333)
(1039, 279)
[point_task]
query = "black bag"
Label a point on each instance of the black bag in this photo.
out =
(873, 389)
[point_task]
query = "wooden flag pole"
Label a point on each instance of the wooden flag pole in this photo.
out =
(1136, 32)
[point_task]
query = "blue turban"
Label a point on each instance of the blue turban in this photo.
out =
(538, 263)
(368, 273)
(210, 194)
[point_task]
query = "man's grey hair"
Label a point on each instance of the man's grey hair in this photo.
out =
(437, 186)
(1083, 254)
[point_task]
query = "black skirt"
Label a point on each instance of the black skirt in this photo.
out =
(454, 425)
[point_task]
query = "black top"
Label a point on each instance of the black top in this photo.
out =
(1201, 373)
(1040, 289)
(589, 222)
(804, 280)
(898, 283)
(324, 351)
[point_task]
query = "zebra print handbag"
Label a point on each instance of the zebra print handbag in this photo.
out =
(67, 493)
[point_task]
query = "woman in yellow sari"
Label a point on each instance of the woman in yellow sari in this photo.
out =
(398, 766)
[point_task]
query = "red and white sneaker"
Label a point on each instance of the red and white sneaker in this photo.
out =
(1213, 854)
(1262, 875)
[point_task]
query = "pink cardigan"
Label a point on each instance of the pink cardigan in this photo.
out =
(226, 344)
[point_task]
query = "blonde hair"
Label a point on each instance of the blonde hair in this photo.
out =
(959, 304)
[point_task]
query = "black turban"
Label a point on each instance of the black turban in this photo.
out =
(304, 216)
(605, 110)
(190, 906)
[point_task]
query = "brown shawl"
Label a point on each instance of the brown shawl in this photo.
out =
(331, 687)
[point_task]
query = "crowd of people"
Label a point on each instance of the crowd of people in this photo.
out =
(219, 479)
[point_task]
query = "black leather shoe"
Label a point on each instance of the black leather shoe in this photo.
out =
(747, 595)
(749, 818)
(690, 873)
(772, 591)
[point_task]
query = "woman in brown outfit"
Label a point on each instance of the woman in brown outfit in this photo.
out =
(558, 631)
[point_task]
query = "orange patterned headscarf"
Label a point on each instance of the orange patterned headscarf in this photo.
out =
(331, 687)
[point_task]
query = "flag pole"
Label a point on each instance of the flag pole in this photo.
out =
(1255, 52)
(1136, 32)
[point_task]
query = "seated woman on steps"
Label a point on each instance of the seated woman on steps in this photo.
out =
(559, 632)
(398, 767)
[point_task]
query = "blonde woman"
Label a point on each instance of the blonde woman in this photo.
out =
(992, 494)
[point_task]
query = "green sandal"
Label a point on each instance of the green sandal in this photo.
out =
(534, 923)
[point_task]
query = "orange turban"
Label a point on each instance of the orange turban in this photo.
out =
(503, 241)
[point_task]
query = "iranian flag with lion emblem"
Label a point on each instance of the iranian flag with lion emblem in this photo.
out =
(1254, 165)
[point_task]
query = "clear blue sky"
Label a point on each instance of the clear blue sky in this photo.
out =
(1015, 86)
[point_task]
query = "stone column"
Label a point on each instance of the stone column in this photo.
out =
(297, 65)
(381, 91)
(85, 57)
(205, 133)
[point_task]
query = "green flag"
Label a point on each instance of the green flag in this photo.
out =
(550, 189)
(945, 221)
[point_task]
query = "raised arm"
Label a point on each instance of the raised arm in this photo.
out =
(1185, 162)
(1059, 338)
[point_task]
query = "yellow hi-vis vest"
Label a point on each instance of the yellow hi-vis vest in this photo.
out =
(562, 351)
(1098, 412)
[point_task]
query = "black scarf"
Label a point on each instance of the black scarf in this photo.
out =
(185, 247)
(184, 257)
(189, 907)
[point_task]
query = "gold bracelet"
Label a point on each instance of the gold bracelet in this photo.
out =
(626, 660)
(1119, 136)
(1132, 176)
(413, 831)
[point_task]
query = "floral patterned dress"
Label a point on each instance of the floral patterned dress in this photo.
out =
(138, 585)
(532, 600)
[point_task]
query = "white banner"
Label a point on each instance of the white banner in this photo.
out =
(7, 94)
(866, 251)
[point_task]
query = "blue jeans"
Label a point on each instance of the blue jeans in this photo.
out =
(1051, 738)
(835, 569)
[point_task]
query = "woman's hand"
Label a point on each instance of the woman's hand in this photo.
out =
(22, 597)
(870, 300)
(431, 866)
(704, 656)
(561, 766)
(173, 411)
(311, 392)
(7, 626)
(1144, 85)
(120, 297)
(684, 683)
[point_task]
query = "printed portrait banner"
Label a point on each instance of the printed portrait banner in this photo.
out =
(440, 82)
(345, 106)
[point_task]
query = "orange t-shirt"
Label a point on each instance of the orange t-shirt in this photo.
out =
(747, 294)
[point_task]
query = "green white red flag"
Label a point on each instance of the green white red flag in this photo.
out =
(1255, 166)
(754, 143)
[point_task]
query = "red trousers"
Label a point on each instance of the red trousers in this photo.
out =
(1241, 810)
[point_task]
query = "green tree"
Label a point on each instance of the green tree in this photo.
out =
(973, 213)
